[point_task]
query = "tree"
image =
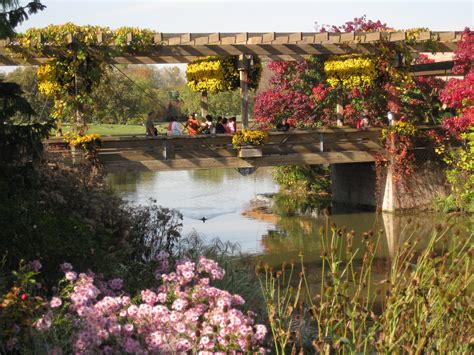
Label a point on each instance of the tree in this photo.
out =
(28, 81)
(13, 15)
(19, 144)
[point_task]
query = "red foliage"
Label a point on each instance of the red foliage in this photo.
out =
(459, 93)
(464, 55)
(457, 125)
(273, 106)
(358, 24)
(321, 91)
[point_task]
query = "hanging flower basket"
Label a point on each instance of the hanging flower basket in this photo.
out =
(249, 143)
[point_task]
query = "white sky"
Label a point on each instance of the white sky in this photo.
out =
(250, 16)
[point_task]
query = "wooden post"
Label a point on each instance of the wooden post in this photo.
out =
(339, 112)
(204, 104)
(244, 90)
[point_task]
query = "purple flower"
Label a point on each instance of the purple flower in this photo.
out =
(35, 265)
(66, 267)
(116, 284)
(71, 275)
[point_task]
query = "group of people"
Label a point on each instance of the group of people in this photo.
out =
(193, 125)
(223, 125)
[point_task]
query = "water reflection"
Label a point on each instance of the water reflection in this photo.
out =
(224, 198)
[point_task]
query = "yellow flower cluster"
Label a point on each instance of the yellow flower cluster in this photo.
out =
(406, 129)
(413, 34)
(245, 137)
(212, 74)
(141, 38)
(87, 142)
(350, 71)
(60, 35)
(47, 85)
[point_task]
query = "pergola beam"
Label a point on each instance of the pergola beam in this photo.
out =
(185, 47)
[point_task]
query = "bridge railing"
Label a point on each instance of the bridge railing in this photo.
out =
(319, 146)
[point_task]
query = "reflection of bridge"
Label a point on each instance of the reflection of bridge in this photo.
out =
(350, 153)
(323, 146)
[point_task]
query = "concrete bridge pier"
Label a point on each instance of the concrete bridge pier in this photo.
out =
(355, 184)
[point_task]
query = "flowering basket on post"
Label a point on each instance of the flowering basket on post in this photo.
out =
(84, 146)
(249, 143)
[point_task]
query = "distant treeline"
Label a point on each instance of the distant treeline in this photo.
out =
(130, 92)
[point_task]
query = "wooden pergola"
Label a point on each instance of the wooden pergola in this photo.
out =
(186, 47)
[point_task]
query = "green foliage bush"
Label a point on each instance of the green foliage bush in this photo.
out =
(61, 214)
(303, 178)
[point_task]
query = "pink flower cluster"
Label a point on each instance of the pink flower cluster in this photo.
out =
(184, 314)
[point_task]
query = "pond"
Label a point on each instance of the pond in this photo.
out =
(235, 209)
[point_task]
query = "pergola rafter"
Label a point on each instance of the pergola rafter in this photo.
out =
(186, 47)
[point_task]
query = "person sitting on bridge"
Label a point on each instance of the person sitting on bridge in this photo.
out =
(151, 130)
(364, 122)
(209, 126)
(193, 125)
(220, 128)
(283, 126)
(232, 125)
(173, 127)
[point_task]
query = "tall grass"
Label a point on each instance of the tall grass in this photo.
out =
(423, 306)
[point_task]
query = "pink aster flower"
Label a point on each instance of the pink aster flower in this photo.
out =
(55, 302)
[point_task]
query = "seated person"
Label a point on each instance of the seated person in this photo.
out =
(151, 131)
(232, 125)
(193, 125)
(208, 127)
(220, 129)
(283, 126)
(173, 127)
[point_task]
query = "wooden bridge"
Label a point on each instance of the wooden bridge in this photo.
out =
(321, 146)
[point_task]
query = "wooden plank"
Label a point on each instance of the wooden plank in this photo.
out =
(424, 36)
(214, 37)
(321, 37)
(268, 37)
(295, 37)
(346, 37)
(100, 37)
(174, 41)
(186, 38)
(129, 38)
(372, 37)
(446, 36)
(281, 40)
(241, 38)
(201, 40)
(255, 40)
(228, 40)
(307, 39)
(158, 38)
(397, 36)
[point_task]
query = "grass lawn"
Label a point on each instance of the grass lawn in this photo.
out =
(112, 129)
